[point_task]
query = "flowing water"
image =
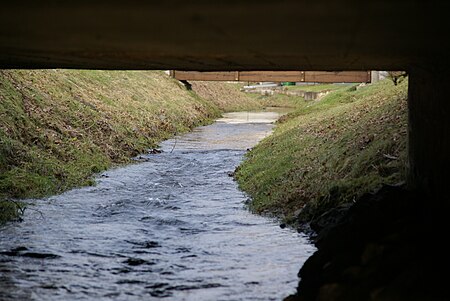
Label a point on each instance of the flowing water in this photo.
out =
(173, 227)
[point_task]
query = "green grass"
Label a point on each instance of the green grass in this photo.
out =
(319, 87)
(278, 100)
(229, 98)
(329, 152)
(59, 127)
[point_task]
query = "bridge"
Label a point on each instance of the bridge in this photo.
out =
(275, 76)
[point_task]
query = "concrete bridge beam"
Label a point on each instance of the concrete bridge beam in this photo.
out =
(429, 132)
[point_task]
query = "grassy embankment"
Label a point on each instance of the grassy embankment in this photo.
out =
(329, 152)
(316, 87)
(229, 98)
(59, 127)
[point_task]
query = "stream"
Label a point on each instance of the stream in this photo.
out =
(172, 227)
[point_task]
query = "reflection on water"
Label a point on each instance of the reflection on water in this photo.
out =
(171, 228)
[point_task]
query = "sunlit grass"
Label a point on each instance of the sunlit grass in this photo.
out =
(330, 152)
(319, 87)
(59, 127)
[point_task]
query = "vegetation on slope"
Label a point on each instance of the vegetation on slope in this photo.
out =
(317, 87)
(329, 152)
(59, 127)
(226, 95)
(229, 98)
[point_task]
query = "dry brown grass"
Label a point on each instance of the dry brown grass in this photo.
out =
(58, 127)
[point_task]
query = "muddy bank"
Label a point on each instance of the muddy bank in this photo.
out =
(388, 246)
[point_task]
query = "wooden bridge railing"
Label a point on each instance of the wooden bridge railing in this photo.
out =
(275, 76)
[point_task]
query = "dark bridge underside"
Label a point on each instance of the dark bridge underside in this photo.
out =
(223, 35)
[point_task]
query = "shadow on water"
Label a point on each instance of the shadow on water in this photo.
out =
(172, 227)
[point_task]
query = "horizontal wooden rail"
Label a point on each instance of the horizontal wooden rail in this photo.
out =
(275, 76)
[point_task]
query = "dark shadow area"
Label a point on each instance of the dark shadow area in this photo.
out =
(388, 246)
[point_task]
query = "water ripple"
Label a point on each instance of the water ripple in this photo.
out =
(173, 227)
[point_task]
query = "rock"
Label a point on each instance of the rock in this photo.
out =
(330, 218)
(141, 159)
(387, 246)
(330, 292)
(154, 151)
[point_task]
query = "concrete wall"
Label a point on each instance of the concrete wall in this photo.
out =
(223, 35)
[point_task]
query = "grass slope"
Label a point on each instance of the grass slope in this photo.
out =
(59, 127)
(225, 95)
(329, 152)
(317, 87)
(229, 98)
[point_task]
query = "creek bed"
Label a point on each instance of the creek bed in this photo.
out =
(173, 227)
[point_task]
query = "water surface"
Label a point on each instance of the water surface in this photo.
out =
(174, 227)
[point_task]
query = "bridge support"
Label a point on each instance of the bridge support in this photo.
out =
(429, 133)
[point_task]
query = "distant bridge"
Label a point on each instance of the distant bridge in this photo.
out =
(275, 76)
